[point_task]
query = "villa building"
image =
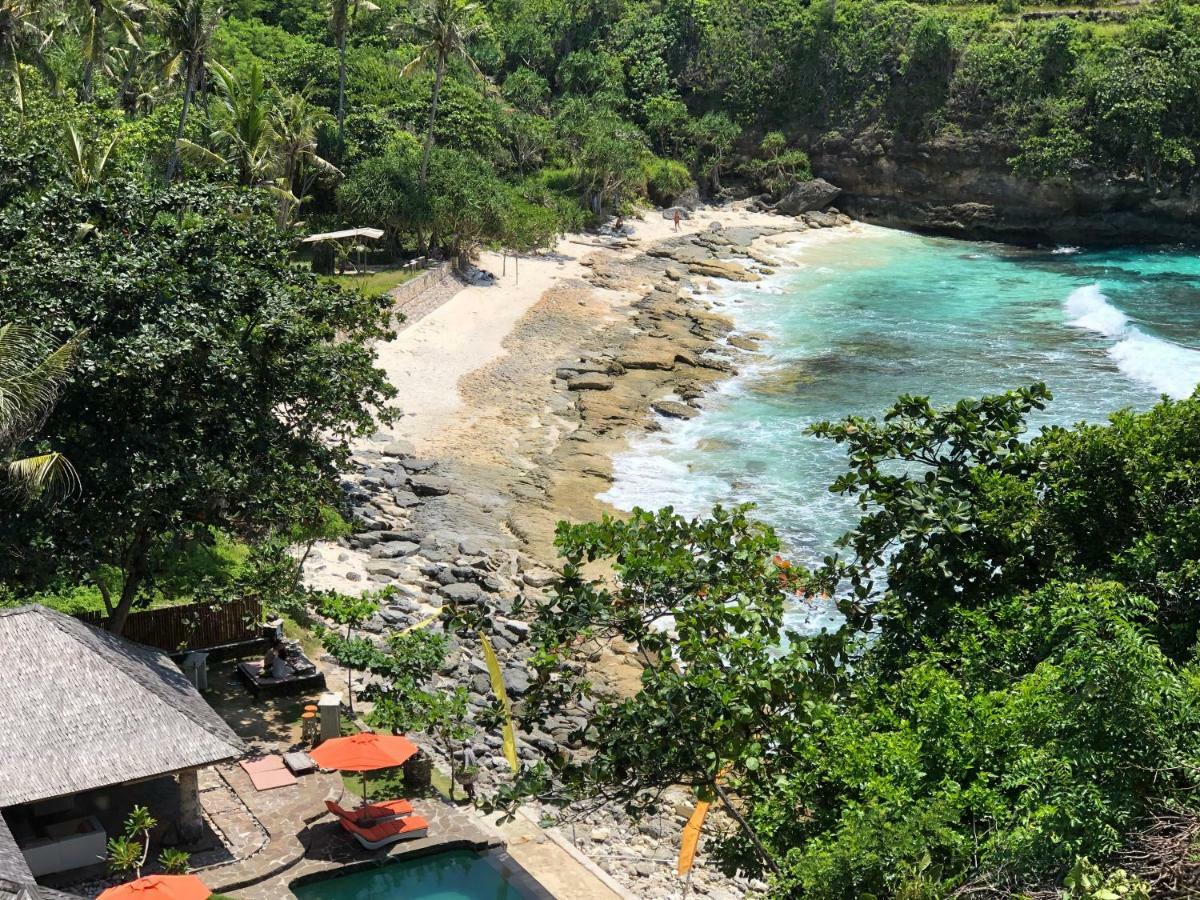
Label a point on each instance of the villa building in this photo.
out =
(91, 725)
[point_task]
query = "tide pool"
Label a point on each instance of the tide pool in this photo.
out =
(855, 321)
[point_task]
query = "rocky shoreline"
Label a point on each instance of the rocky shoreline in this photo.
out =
(474, 530)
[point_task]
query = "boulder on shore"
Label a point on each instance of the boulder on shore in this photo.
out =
(591, 382)
(673, 409)
(807, 197)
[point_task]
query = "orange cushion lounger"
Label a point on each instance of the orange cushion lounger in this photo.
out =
(389, 832)
(366, 816)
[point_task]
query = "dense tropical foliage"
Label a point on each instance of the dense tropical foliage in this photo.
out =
(568, 108)
(1014, 687)
(1014, 693)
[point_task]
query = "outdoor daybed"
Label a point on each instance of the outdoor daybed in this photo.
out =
(388, 831)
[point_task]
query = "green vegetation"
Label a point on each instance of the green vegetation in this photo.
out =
(539, 114)
(1015, 686)
(1014, 692)
(375, 283)
(219, 387)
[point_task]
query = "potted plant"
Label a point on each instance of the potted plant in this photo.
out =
(467, 775)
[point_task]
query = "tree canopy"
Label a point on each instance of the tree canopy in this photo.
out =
(218, 388)
(1014, 687)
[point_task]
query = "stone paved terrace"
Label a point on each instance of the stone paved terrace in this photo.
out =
(299, 837)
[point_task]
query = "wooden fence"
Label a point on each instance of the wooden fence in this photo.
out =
(194, 626)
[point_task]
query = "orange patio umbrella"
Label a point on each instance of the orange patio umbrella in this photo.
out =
(365, 752)
(159, 887)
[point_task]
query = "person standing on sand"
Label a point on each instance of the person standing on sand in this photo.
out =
(677, 219)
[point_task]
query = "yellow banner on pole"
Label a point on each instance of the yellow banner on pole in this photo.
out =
(691, 836)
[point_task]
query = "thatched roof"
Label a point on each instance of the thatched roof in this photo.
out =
(16, 881)
(84, 709)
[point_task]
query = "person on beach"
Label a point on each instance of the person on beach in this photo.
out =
(678, 218)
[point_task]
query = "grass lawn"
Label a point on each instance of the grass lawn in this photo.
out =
(389, 785)
(374, 283)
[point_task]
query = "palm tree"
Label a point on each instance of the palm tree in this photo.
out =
(245, 136)
(444, 28)
(296, 121)
(96, 16)
(142, 77)
(31, 374)
(85, 161)
(187, 29)
(342, 14)
(23, 37)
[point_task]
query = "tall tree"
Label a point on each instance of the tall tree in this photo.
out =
(32, 373)
(244, 136)
(23, 38)
(444, 29)
(223, 387)
(342, 14)
(187, 29)
(296, 124)
(96, 18)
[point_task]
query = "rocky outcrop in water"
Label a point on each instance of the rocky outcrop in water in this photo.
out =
(965, 187)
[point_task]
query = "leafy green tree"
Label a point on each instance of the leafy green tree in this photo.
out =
(187, 30)
(351, 652)
(383, 191)
(778, 166)
(444, 30)
(467, 202)
(219, 386)
(713, 685)
(606, 152)
(666, 120)
(713, 135)
(406, 701)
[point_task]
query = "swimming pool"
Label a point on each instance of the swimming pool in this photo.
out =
(450, 875)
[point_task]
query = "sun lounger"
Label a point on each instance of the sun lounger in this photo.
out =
(389, 832)
(366, 816)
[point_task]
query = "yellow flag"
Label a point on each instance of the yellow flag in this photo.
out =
(509, 734)
(691, 836)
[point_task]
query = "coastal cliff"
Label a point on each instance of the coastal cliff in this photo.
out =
(966, 188)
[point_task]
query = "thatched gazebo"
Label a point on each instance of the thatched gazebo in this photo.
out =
(88, 720)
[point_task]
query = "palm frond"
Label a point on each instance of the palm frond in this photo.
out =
(46, 476)
(196, 153)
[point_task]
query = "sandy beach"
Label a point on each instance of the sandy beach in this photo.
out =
(474, 377)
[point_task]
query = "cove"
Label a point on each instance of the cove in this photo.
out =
(854, 323)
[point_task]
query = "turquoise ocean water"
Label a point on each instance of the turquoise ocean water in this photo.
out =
(856, 321)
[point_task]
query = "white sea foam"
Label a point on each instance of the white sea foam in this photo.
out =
(1167, 367)
(1088, 308)
(1065, 251)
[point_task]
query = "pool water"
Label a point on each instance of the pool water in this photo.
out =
(453, 875)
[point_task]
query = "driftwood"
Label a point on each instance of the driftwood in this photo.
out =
(1163, 853)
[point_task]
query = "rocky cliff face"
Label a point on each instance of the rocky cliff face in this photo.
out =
(966, 188)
